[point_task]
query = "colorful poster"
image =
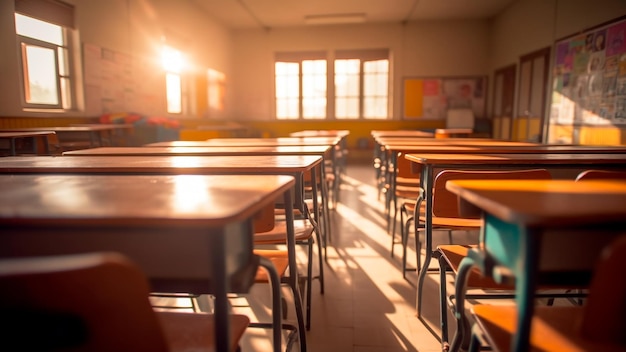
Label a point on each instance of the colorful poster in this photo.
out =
(589, 77)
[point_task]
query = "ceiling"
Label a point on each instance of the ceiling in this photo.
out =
(242, 14)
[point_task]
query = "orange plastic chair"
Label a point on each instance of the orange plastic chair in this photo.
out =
(94, 302)
(599, 325)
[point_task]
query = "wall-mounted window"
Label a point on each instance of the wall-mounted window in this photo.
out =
(362, 84)
(360, 89)
(172, 61)
(301, 85)
(43, 30)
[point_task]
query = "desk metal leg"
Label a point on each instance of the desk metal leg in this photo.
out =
(525, 289)
(460, 284)
(293, 269)
(222, 323)
(426, 184)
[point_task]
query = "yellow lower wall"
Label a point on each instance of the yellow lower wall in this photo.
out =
(360, 131)
(19, 122)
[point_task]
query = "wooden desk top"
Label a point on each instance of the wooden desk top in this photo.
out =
(198, 151)
(107, 126)
(401, 133)
(496, 149)
(513, 159)
(161, 164)
(113, 200)
(90, 128)
(320, 133)
(23, 134)
(387, 142)
(280, 141)
(546, 202)
(454, 130)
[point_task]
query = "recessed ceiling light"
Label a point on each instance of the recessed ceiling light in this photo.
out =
(343, 18)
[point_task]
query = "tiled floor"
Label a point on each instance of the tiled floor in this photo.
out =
(367, 306)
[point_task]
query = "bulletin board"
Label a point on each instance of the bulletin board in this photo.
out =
(431, 97)
(589, 77)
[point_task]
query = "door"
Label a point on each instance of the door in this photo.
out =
(504, 98)
(528, 122)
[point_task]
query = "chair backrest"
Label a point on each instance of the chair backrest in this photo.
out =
(405, 168)
(605, 308)
(265, 219)
(445, 203)
(601, 175)
(82, 302)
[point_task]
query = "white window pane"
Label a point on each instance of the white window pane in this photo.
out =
(381, 66)
(33, 28)
(314, 107)
(352, 87)
(286, 68)
(66, 93)
(40, 75)
(375, 107)
(347, 108)
(351, 66)
(64, 69)
(174, 93)
(287, 108)
(375, 84)
(317, 67)
(314, 86)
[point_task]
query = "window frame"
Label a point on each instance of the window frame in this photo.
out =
(363, 55)
(23, 41)
(299, 58)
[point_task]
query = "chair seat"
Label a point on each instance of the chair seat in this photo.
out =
(302, 228)
(415, 181)
(454, 223)
(553, 328)
(453, 254)
(194, 331)
(279, 258)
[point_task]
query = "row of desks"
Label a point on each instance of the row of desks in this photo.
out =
(521, 221)
(186, 223)
(77, 136)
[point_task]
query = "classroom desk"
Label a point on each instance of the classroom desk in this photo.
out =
(188, 233)
(319, 150)
(72, 137)
(113, 134)
(453, 132)
(38, 141)
(341, 148)
(401, 133)
(527, 225)
(291, 165)
(282, 141)
(430, 162)
(484, 147)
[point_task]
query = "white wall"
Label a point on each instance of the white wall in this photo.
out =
(130, 27)
(417, 49)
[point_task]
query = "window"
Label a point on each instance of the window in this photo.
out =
(45, 53)
(360, 85)
(172, 60)
(301, 86)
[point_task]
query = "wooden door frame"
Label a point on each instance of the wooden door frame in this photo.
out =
(509, 71)
(530, 57)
